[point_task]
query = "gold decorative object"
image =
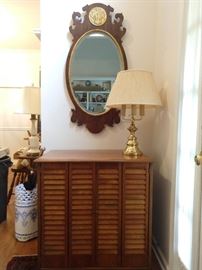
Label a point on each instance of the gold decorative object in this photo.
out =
(132, 148)
(198, 159)
(97, 16)
(134, 89)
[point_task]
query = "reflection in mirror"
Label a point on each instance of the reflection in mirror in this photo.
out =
(94, 64)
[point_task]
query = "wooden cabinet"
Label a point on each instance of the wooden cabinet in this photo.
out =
(94, 210)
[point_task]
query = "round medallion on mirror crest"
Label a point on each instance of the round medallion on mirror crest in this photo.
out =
(97, 16)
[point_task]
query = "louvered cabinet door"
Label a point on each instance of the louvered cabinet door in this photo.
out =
(136, 218)
(81, 214)
(108, 214)
(53, 208)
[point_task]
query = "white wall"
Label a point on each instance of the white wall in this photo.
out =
(152, 42)
(57, 130)
(168, 49)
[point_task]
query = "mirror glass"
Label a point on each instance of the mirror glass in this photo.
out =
(94, 64)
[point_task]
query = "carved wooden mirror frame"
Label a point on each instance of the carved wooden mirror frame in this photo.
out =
(96, 17)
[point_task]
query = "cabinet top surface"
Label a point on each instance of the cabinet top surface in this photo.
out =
(89, 155)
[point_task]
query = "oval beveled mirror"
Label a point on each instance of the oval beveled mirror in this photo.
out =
(94, 59)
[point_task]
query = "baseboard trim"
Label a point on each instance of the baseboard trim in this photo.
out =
(159, 255)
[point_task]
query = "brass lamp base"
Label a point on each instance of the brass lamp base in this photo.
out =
(132, 148)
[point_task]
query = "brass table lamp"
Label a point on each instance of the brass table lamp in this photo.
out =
(134, 89)
(31, 105)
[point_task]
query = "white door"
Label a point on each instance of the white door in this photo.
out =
(189, 175)
(197, 230)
